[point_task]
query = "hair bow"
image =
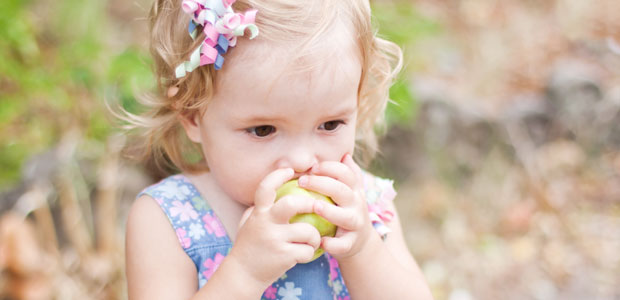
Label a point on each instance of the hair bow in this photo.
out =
(221, 26)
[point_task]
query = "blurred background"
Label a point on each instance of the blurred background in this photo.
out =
(503, 140)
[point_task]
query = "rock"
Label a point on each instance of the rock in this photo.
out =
(608, 119)
(533, 114)
(574, 91)
(436, 122)
(399, 154)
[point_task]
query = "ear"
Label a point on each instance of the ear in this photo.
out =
(191, 124)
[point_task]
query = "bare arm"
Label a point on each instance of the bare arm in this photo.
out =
(158, 268)
(385, 269)
(372, 268)
(265, 247)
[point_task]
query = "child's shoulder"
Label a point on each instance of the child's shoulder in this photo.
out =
(176, 190)
(151, 246)
(190, 215)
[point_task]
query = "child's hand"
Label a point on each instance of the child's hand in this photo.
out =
(266, 245)
(342, 181)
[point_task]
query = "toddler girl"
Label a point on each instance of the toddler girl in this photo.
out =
(266, 91)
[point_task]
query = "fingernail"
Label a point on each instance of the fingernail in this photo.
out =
(319, 206)
(303, 180)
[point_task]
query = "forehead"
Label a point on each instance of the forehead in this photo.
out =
(261, 63)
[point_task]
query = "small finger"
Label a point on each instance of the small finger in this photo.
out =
(343, 218)
(338, 245)
(341, 193)
(266, 191)
(288, 206)
(246, 215)
(304, 233)
(349, 162)
(302, 253)
(336, 170)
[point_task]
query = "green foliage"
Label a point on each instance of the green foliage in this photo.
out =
(403, 106)
(57, 64)
(17, 48)
(130, 71)
(60, 64)
(399, 22)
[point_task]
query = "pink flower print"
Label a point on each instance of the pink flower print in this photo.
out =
(213, 226)
(185, 211)
(270, 292)
(333, 268)
(212, 264)
(344, 298)
(185, 241)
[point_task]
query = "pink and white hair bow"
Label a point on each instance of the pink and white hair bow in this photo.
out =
(221, 26)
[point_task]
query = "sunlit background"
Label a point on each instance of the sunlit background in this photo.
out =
(503, 140)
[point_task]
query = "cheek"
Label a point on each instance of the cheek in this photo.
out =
(238, 174)
(348, 141)
(236, 184)
(336, 148)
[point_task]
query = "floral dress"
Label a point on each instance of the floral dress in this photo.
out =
(204, 239)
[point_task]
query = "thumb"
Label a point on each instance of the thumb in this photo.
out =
(246, 215)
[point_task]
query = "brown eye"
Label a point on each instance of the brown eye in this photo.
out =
(262, 131)
(331, 125)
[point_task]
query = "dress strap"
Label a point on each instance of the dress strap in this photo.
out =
(193, 220)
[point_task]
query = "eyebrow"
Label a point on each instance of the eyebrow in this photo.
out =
(336, 113)
(346, 110)
(255, 119)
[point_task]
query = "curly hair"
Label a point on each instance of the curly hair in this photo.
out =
(163, 140)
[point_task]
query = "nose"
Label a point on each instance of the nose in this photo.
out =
(300, 157)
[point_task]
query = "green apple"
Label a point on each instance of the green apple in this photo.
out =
(324, 227)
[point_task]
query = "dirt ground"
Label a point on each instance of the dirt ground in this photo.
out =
(508, 174)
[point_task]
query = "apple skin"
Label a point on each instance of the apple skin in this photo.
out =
(324, 227)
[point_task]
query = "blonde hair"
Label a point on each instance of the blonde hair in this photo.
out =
(164, 141)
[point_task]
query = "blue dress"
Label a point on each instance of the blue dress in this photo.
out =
(204, 239)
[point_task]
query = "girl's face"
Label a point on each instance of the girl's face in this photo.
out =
(267, 114)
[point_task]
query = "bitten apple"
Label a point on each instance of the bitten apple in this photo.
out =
(324, 227)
